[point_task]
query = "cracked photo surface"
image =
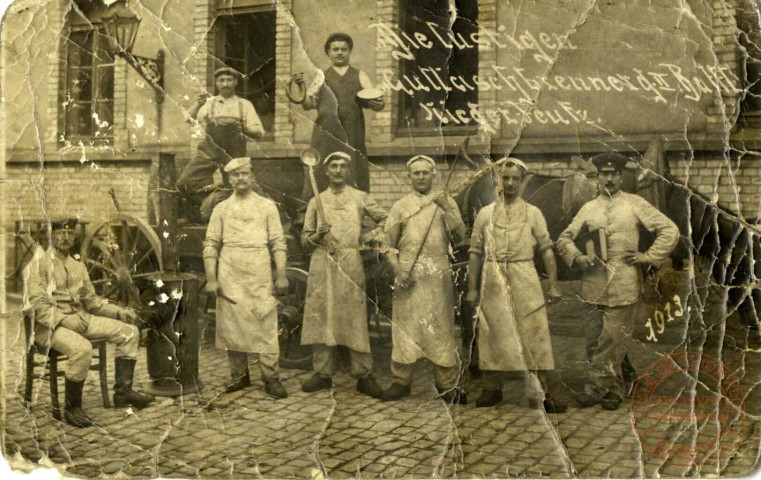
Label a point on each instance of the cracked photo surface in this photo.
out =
(381, 238)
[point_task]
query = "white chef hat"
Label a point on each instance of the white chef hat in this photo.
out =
(337, 156)
(236, 163)
(421, 158)
(508, 161)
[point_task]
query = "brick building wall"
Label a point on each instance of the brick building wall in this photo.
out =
(723, 112)
(734, 185)
(73, 189)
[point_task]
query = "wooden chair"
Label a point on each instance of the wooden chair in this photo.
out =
(52, 359)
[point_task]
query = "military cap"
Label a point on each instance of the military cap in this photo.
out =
(227, 71)
(338, 37)
(66, 223)
(615, 161)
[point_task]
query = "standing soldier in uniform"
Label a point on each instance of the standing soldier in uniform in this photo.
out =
(611, 289)
(335, 312)
(227, 122)
(513, 332)
(340, 124)
(421, 226)
(242, 232)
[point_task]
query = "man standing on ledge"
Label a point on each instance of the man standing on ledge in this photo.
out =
(611, 289)
(340, 124)
(227, 122)
(242, 232)
(68, 314)
(421, 226)
(335, 311)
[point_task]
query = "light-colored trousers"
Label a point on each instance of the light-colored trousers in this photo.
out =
(324, 361)
(614, 343)
(268, 364)
(445, 377)
(78, 349)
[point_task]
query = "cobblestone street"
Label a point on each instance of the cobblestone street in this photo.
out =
(247, 434)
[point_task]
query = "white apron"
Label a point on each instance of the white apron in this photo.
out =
(511, 337)
(422, 323)
(245, 275)
(335, 311)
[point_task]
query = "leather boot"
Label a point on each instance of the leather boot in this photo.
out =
(124, 396)
(369, 387)
(73, 413)
(396, 391)
(489, 398)
(453, 396)
(275, 388)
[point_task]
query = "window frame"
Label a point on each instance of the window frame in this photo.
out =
(227, 12)
(96, 69)
(404, 100)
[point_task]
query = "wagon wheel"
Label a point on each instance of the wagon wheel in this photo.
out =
(119, 253)
(290, 316)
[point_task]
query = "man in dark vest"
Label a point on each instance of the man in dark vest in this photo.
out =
(340, 124)
(227, 121)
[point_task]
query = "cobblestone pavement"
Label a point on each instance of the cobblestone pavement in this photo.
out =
(247, 434)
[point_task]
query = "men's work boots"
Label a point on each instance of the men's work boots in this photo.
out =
(489, 398)
(239, 383)
(73, 413)
(124, 396)
(396, 391)
(369, 387)
(453, 396)
(275, 388)
(317, 383)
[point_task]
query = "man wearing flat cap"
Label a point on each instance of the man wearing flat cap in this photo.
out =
(227, 121)
(611, 286)
(335, 311)
(419, 229)
(68, 314)
(243, 235)
(513, 330)
(340, 124)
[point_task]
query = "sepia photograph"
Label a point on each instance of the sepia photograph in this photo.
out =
(413, 239)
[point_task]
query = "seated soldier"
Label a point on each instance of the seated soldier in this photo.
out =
(68, 314)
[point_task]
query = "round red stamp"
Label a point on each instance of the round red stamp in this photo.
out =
(688, 409)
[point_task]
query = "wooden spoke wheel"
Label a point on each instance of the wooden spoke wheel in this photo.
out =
(121, 254)
(290, 315)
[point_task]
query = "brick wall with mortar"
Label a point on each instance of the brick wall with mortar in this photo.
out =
(73, 189)
(722, 114)
(734, 185)
(382, 127)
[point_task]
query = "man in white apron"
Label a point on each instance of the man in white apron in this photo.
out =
(335, 311)
(513, 332)
(611, 288)
(421, 226)
(243, 232)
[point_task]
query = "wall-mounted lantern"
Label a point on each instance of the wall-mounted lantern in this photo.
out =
(120, 24)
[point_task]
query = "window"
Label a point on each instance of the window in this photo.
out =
(440, 77)
(246, 42)
(88, 94)
(750, 62)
